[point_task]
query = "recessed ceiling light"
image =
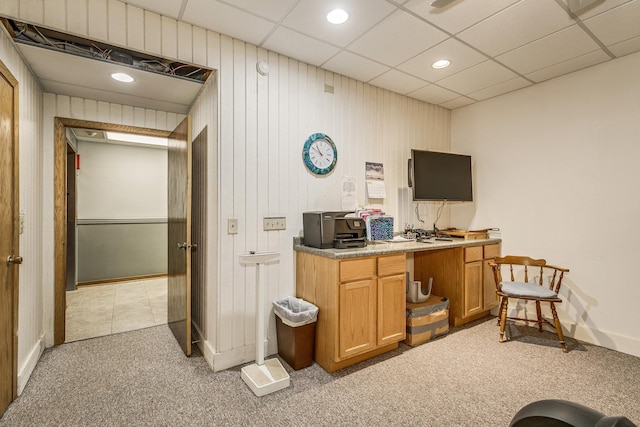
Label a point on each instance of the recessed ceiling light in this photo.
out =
(122, 77)
(441, 63)
(337, 16)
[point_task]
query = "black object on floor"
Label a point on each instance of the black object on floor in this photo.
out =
(562, 413)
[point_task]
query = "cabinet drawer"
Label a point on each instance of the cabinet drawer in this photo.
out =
(389, 265)
(473, 253)
(358, 268)
(491, 251)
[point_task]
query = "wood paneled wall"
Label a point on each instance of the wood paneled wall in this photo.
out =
(30, 299)
(264, 122)
(260, 124)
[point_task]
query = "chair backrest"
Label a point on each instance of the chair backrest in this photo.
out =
(543, 273)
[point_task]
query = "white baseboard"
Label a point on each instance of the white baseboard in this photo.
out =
(623, 344)
(49, 339)
(234, 357)
(25, 371)
(610, 340)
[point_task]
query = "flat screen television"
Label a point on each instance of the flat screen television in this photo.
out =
(440, 176)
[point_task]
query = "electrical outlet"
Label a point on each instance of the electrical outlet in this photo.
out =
(232, 226)
(271, 223)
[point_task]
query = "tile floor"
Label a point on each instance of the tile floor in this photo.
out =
(94, 311)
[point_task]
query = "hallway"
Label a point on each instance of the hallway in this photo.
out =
(94, 311)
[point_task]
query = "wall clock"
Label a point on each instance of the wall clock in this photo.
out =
(319, 154)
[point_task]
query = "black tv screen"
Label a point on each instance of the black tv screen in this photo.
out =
(440, 176)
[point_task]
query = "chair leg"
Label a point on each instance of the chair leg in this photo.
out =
(503, 317)
(539, 313)
(558, 327)
(500, 310)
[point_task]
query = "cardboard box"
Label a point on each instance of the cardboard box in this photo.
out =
(427, 320)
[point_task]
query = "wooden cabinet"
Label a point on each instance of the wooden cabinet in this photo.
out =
(491, 299)
(392, 301)
(361, 305)
(463, 275)
(357, 318)
(472, 291)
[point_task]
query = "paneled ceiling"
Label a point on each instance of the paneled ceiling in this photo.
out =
(495, 46)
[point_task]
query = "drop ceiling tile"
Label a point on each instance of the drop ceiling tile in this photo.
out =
(626, 47)
(433, 94)
(457, 103)
(597, 7)
(398, 82)
(458, 15)
(460, 55)
(273, 10)
(575, 64)
(547, 51)
(166, 7)
(616, 25)
(227, 20)
(477, 77)
(397, 38)
(517, 25)
(299, 46)
(500, 88)
(354, 66)
(309, 17)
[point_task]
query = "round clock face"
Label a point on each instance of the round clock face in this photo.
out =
(319, 154)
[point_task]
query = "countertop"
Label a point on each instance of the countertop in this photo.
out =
(387, 248)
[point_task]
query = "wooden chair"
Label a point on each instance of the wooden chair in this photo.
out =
(541, 283)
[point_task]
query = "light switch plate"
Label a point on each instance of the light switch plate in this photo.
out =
(232, 226)
(271, 223)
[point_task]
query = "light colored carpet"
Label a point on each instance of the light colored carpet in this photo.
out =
(465, 378)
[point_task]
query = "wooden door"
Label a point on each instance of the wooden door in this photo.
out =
(357, 319)
(9, 230)
(71, 218)
(392, 308)
(179, 234)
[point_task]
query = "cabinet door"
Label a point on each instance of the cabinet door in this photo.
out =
(392, 307)
(473, 289)
(357, 324)
(491, 299)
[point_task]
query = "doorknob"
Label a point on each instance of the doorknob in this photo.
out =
(186, 245)
(14, 260)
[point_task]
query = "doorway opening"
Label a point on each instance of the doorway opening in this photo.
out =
(116, 233)
(60, 210)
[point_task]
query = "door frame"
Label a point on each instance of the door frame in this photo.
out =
(14, 275)
(60, 207)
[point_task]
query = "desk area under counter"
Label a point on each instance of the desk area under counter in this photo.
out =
(360, 292)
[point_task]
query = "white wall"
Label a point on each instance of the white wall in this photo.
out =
(31, 341)
(567, 136)
(556, 168)
(263, 123)
(121, 181)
